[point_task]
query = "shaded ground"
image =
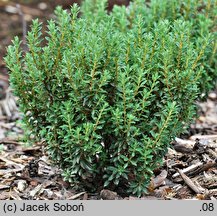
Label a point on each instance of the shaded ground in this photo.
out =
(189, 170)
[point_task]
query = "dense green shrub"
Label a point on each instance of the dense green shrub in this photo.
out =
(201, 13)
(107, 99)
(203, 16)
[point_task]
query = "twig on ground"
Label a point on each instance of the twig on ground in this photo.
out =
(190, 183)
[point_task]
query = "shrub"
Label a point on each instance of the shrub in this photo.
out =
(107, 99)
(201, 14)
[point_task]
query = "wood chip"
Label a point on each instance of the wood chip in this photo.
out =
(2, 187)
(160, 179)
(187, 143)
(194, 137)
(9, 162)
(36, 191)
(21, 185)
(108, 195)
(188, 169)
(190, 183)
(76, 196)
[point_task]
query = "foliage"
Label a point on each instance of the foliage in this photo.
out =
(201, 14)
(106, 98)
